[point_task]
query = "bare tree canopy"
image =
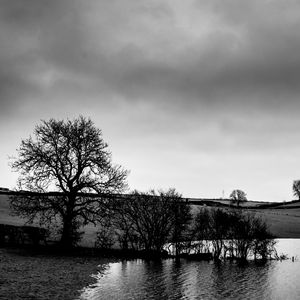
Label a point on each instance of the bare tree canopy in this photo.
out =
(238, 196)
(148, 220)
(234, 234)
(296, 188)
(70, 157)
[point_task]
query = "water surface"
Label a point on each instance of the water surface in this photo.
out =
(168, 279)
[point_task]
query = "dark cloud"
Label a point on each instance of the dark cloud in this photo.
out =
(152, 52)
(218, 79)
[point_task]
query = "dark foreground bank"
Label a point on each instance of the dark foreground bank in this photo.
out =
(31, 275)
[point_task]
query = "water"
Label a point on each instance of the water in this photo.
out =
(139, 279)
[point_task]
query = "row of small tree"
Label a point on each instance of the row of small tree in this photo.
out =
(231, 234)
(155, 222)
(145, 221)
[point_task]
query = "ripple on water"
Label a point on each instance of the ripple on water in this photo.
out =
(168, 279)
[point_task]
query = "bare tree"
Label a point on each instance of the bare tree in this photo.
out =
(241, 233)
(296, 188)
(69, 157)
(147, 221)
(238, 196)
(219, 226)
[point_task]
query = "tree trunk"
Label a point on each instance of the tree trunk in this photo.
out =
(69, 230)
(67, 241)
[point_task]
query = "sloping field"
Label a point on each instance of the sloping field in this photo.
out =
(228, 202)
(283, 223)
(88, 239)
(293, 204)
(5, 217)
(283, 220)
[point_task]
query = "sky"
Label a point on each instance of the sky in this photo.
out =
(202, 96)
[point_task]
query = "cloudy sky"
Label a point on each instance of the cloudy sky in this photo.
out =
(203, 96)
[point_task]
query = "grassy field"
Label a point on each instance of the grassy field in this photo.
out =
(228, 202)
(283, 223)
(6, 218)
(283, 220)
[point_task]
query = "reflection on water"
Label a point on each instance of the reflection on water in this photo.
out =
(168, 279)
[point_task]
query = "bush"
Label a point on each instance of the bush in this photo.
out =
(234, 233)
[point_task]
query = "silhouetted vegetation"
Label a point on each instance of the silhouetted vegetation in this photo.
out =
(22, 235)
(238, 196)
(232, 234)
(146, 221)
(296, 188)
(156, 222)
(70, 157)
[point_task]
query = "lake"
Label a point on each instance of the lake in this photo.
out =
(168, 279)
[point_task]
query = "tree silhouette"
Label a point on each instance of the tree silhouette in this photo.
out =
(69, 157)
(238, 196)
(149, 220)
(296, 188)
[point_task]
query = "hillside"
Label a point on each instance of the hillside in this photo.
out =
(283, 218)
(7, 218)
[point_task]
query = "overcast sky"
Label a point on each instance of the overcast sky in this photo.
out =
(203, 96)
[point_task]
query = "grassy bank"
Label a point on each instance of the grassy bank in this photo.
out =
(26, 275)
